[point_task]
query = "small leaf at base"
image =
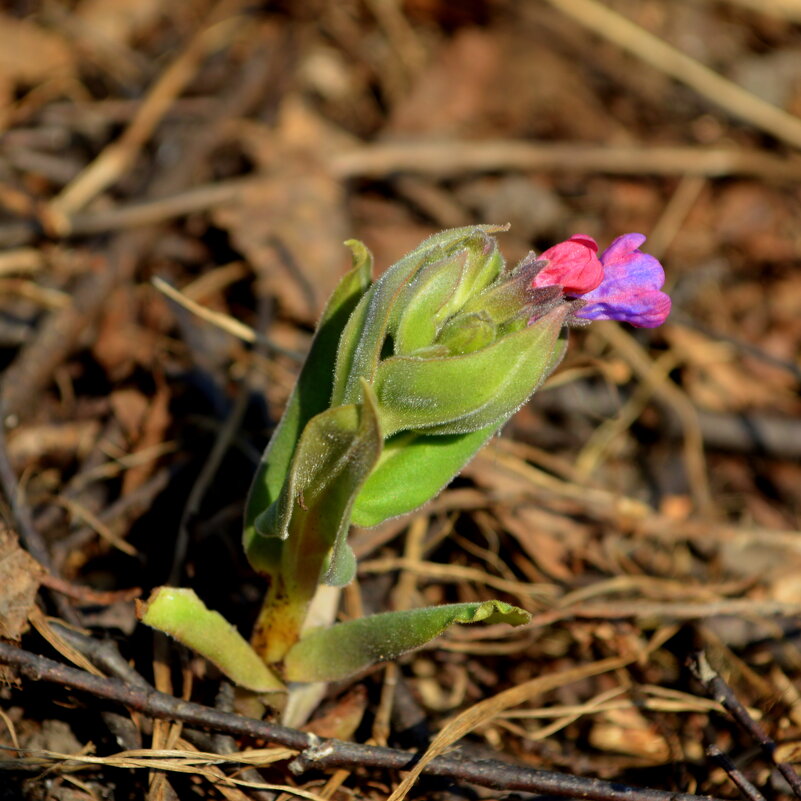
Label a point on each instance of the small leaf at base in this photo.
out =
(181, 614)
(346, 648)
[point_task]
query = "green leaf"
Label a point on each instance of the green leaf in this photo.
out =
(182, 615)
(505, 298)
(415, 466)
(346, 648)
(334, 456)
(427, 303)
(412, 470)
(309, 397)
(468, 392)
(467, 333)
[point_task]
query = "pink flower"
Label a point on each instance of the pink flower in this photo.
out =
(573, 265)
(624, 284)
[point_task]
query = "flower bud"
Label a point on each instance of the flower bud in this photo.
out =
(403, 310)
(443, 337)
(465, 333)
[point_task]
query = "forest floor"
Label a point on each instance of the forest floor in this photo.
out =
(177, 178)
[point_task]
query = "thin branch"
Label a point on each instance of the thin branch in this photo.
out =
(718, 689)
(453, 158)
(331, 753)
(437, 159)
(750, 793)
(103, 654)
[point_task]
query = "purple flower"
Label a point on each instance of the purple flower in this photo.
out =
(629, 290)
(630, 287)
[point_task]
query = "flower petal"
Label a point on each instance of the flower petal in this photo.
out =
(573, 265)
(647, 309)
(629, 291)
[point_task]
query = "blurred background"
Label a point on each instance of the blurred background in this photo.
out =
(177, 178)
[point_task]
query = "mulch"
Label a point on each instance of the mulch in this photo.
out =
(176, 182)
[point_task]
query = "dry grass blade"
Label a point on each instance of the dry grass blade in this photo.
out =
(788, 9)
(165, 733)
(652, 50)
(223, 321)
(404, 596)
(174, 760)
(663, 387)
(221, 781)
(675, 212)
(22, 260)
(651, 587)
(486, 710)
(651, 610)
(592, 455)
(41, 624)
(85, 515)
(500, 456)
(683, 702)
(593, 706)
(9, 724)
(117, 158)
(150, 212)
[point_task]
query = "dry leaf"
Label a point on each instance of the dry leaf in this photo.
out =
(626, 731)
(121, 342)
(484, 711)
(130, 408)
(52, 441)
(482, 82)
(291, 226)
(154, 428)
(19, 39)
(451, 94)
(120, 20)
(20, 577)
(342, 719)
(548, 539)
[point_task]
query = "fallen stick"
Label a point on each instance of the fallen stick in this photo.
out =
(318, 754)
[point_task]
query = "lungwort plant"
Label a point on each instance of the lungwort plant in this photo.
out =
(407, 378)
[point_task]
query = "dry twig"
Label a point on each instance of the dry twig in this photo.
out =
(654, 51)
(331, 753)
(724, 695)
(746, 788)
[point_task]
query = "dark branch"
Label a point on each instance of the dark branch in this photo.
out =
(750, 793)
(717, 688)
(331, 753)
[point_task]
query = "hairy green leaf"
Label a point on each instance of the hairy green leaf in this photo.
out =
(379, 310)
(309, 397)
(468, 392)
(412, 470)
(346, 648)
(182, 615)
(335, 454)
